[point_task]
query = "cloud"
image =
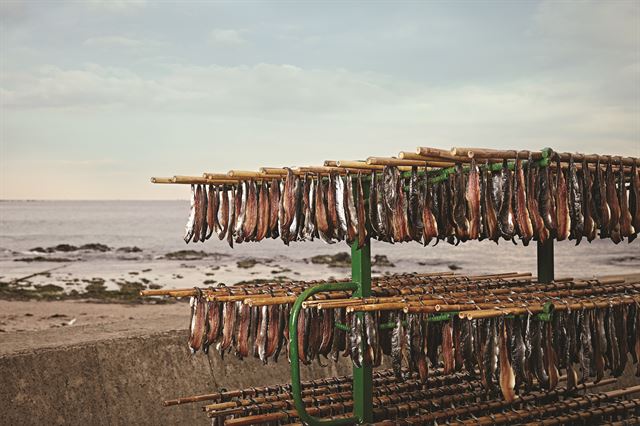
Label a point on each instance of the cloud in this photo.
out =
(117, 6)
(226, 37)
(112, 41)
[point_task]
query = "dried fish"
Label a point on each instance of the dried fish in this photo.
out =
(575, 203)
(473, 201)
(563, 217)
(523, 220)
(507, 375)
(361, 214)
(506, 219)
(415, 206)
(198, 323)
(189, 228)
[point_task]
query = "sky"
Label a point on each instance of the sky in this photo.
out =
(97, 96)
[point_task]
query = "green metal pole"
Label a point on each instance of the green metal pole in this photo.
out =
(545, 261)
(362, 376)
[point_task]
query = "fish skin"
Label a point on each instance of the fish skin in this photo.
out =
(262, 226)
(620, 317)
(332, 216)
(305, 217)
(341, 206)
(613, 348)
(298, 215)
(490, 355)
(351, 215)
(198, 214)
(189, 231)
(600, 195)
(518, 353)
(244, 320)
(570, 329)
(392, 204)
(223, 213)
(576, 203)
(636, 347)
(310, 214)
(402, 212)
(466, 336)
(251, 212)
(384, 225)
(429, 221)
(614, 205)
(289, 199)
(545, 199)
(523, 220)
(563, 218)
(540, 231)
(204, 205)
(228, 325)
(588, 206)
(355, 340)
(506, 218)
(626, 225)
(281, 337)
(373, 203)
(213, 323)
(537, 354)
(473, 201)
(447, 348)
(507, 375)
(373, 352)
(242, 195)
(198, 323)
(314, 327)
(261, 339)
(212, 212)
(416, 225)
(460, 214)
(323, 222)
(631, 331)
(634, 201)
(337, 342)
(550, 357)
(586, 346)
(396, 346)
(493, 233)
(274, 205)
(327, 332)
(273, 331)
(361, 214)
(232, 215)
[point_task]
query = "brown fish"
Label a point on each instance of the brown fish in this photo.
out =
(262, 227)
(600, 198)
(540, 231)
(626, 225)
(326, 331)
(460, 214)
(330, 198)
(212, 211)
(448, 356)
(523, 220)
(575, 202)
(197, 230)
(228, 326)
(361, 214)
(251, 212)
(634, 200)
(189, 227)
(204, 205)
(563, 218)
(213, 322)
(588, 204)
(274, 204)
(429, 221)
(351, 216)
(491, 218)
(507, 376)
(198, 324)
(233, 200)
(273, 330)
(473, 201)
(614, 204)
(545, 199)
(224, 214)
(323, 222)
(244, 321)
(506, 218)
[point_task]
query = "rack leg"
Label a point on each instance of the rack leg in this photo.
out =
(545, 261)
(362, 377)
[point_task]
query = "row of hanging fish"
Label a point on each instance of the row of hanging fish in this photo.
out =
(529, 202)
(514, 354)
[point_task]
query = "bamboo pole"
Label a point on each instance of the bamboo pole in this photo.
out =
(358, 165)
(273, 171)
(426, 158)
(382, 161)
(162, 180)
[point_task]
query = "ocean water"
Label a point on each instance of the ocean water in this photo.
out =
(156, 227)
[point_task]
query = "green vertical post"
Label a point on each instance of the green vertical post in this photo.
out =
(545, 261)
(363, 376)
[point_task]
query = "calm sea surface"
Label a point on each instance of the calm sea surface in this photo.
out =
(156, 227)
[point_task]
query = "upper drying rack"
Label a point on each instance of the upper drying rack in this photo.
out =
(432, 195)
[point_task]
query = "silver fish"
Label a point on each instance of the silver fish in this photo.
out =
(188, 234)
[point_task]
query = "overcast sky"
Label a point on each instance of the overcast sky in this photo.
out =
(98, 96)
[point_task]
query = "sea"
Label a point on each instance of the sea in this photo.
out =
(141, 242)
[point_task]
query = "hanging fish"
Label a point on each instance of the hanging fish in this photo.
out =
(310, 213)
(274, 207)
(298, 217)
(323, 222)
(213, 324)
(355, 340)
(397, 343)
(563, 218)
(586, 346)
(198, 215)
(575, 203)
(373, 354)
(415, 206)
(228, 325)
(326, 331)
(262, 226)
(488, 202)
(232, 214)
(273, 331)
(251, 212)
(224, 213)
(614, 204)
(518, 353)
(447, 348)
(523, 220)
(189, 228)
(460, 217)
(507, 375)
(242, 194)
(341, 207)
(467, 337)
(332, 207)
(204, 205)
(384, 222)
(361, 214)
(550, 357)
(198, 323)
(620, 317)
(351, 216)
(244, 321)
(600, 195)
(212, 212)
(540, 231)
(545, 198)
(572, 350)
(429, 221)
(282, 335)
(588, 206)
(373, 205)
(473, 201)
(506, 218)
(537, 354)
(626, 225)
(634, 201)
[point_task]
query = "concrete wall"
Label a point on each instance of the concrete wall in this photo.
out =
(123, 381)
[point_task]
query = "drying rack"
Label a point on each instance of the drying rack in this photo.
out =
(360, 284)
